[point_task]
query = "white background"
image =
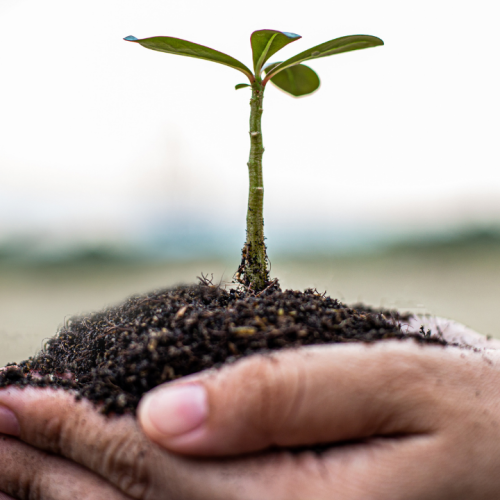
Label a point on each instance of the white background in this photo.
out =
(101, 139)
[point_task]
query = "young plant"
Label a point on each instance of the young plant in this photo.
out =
(292, 77)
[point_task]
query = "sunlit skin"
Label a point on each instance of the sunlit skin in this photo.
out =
(415, 422)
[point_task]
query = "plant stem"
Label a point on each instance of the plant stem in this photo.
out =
(253, 270)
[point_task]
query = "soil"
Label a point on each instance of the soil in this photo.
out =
(114, 356)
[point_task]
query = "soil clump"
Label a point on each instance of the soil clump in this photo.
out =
(116, 355)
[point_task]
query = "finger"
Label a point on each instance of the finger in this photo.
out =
(376, 470)
(315, 395)
(28, 473)
(451, 331)
(114, 448)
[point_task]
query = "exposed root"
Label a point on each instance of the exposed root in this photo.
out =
(250, 267)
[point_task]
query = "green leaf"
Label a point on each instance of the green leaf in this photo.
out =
(184, 48)
(296, 80)
(337, 46)
(265, 43)
(241, 86)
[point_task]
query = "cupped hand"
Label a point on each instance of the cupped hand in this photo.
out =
(405, 422)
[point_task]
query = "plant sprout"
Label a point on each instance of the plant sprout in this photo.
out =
(292, 77)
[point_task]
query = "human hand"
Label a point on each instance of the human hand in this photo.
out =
(412, 421)
(400, 388)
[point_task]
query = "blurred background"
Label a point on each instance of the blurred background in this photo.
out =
(124, 170)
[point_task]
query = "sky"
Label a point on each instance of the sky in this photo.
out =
(103, 140)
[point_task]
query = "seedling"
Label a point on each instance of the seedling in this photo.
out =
(292, 77)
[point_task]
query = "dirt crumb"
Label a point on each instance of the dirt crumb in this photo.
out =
(114, 356)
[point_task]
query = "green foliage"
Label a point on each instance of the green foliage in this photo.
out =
(189, 49)
(336, 46)
(266, 43)
(292, 77)
(298, 80)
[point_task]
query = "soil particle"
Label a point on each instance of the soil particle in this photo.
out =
(114, 356)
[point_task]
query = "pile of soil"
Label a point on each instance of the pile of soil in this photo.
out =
(117, 355)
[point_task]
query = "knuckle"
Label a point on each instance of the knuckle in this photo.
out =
(129, 462)
(63, 436)
(23, 488)
(278, 392)
(33, 487)
(50, 435)
(119, 453)
(22, 475)
(293, 404)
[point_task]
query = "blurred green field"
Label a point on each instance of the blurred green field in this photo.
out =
(461, 282)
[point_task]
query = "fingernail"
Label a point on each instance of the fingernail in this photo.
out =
(178, 409)
(8, 422)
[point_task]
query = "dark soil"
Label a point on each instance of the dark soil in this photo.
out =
(117, 355)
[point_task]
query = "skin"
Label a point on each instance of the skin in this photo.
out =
(410, 422)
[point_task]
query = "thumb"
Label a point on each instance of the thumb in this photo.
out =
(321, 394)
